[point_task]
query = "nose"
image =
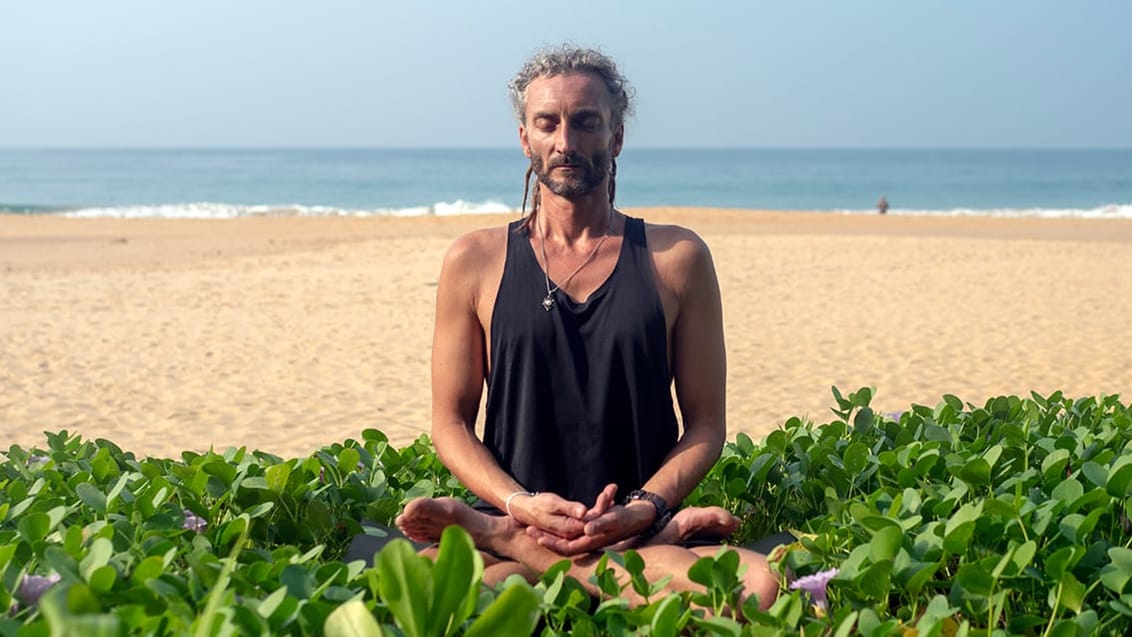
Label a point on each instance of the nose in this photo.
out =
(564, 139)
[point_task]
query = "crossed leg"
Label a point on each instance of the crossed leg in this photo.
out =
(425, 519)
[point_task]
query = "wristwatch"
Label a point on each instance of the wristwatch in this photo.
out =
(663, 513)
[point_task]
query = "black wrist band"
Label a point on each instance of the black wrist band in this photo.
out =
(663, 513)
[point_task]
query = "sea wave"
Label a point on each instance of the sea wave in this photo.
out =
(210, 210)
(1110, 211)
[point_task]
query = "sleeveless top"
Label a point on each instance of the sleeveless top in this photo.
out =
(579, 396)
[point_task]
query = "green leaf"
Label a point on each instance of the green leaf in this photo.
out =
(1095, 473)
(1070, 593)
(222, 470)
(920, 576)
(874, 582)
(352, 619)
(276, 476)
(886, 543)
(148, 569)
(405, 585)
(845, 627)
(864, 419)
(299, 583)
(1054, 464)
(1062, 560)
(34, 526)
(976, 472)
(1119, 481)
(960, 528)
(348, 460)
(512, 613)
(92, 497)
(953, 402)
(97, 556)
(103, 578)
(666, 619)
(455, 581)
(1116, 574)
(856, 456)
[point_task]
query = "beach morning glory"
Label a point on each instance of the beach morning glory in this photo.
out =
(815, 585)
(34, 586)
(193, 522)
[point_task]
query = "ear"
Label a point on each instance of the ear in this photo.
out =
(618, 140)
(523, 141)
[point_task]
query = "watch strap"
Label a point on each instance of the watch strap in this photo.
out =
(663, 513)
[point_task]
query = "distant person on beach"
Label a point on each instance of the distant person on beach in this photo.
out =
(579, 319)
(882, 205)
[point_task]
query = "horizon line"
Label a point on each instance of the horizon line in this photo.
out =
(515, 147)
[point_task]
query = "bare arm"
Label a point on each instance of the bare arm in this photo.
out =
(458, 372)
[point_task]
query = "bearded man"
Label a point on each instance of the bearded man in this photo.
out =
(580, 320)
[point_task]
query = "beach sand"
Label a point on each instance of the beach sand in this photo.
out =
(287, 334)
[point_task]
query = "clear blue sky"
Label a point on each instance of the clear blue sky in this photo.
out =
(868, 73)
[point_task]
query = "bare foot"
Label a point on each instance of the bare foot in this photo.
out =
(425, 519)
(707, 522)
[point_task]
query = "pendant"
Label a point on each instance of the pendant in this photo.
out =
(548, 302)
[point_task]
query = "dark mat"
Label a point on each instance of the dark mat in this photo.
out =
(769, 543)
(364, 546)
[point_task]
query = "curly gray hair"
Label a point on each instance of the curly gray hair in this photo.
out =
(565, 59)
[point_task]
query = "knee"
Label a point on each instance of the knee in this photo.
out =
(496, 573)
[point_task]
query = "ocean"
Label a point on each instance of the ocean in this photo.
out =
(220, 183)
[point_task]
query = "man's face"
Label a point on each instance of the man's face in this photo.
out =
(568, 134)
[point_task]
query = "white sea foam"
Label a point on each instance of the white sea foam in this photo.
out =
(208, 210)
(1110, 211)
(205, 210)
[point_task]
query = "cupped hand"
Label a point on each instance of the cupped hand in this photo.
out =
(551, 514)
(617, 524)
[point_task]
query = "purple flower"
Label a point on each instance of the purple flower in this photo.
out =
(34, 586)
(895, 415)
(815, 585)
(193, 522)
(37, 459)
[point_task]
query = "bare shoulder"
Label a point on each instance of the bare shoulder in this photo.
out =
(473, 264)
(681, 257)
(474, 247)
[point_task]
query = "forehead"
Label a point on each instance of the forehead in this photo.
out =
(567, 93)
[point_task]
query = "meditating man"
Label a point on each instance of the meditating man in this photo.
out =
(580, 319)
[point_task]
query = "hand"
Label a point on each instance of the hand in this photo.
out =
(606, 524)
(604, 501)
(615, 525)
(550, 514)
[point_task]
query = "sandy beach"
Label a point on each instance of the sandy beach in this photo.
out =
(289, 333)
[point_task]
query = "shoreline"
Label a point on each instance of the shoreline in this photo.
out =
(289, 333)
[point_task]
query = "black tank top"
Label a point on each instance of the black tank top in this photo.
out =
(579, 396)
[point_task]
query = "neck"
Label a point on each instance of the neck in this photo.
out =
(572, 219)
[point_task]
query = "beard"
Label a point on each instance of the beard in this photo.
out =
(586, 176)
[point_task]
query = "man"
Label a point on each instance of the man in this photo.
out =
(579, 319)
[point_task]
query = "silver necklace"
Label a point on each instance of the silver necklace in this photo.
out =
(548, 301)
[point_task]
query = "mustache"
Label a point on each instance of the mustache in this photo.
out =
(569, 159)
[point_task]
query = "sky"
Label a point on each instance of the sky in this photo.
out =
(371, 73)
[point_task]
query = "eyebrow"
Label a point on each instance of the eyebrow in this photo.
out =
(584, 112)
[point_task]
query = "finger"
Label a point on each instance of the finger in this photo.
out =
(604, 501)
(558, 525)
(556, 504)
(584, 544)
